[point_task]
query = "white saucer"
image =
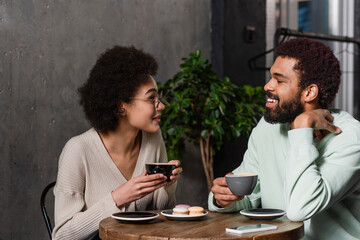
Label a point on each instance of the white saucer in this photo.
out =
(263, 213)
(169, 214)
(135, 216)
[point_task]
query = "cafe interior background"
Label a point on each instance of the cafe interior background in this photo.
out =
(48, 47)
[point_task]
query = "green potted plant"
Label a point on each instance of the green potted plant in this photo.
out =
(205, 110)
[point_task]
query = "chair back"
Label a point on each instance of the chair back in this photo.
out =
(43, 207)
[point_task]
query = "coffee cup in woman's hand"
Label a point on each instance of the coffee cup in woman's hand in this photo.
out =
(164, 168)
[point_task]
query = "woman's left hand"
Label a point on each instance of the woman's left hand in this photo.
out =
(176, 172)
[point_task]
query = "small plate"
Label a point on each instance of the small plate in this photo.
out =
(263, 213)
(135, 216)
(169, 214)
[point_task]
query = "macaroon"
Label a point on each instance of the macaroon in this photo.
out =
(180, 211)
(196, 210)
(182, 206)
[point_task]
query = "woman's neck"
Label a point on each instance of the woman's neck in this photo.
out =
(123, 148)
(120, 141)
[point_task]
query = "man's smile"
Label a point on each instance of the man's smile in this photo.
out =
(271, 100)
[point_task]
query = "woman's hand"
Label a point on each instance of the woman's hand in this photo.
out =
(138, 187)
(176, 172)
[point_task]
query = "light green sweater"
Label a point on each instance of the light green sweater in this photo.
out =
(86, 177)
(314, 181)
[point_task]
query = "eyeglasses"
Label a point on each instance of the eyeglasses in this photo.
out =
(155, 102)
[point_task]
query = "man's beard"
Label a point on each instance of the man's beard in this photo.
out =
(287, 113)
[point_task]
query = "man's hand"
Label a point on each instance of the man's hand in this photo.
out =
(318, 119)
(222, 193)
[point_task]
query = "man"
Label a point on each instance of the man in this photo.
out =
(306, 156)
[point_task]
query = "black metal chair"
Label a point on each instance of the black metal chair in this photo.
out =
(43, 207)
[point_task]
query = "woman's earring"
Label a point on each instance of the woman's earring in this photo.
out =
(121, 111)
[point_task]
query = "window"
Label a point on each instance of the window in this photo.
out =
(334, 17)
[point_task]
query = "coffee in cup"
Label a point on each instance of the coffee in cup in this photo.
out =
(164, 168)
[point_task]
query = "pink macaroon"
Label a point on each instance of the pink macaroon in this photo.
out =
(182, 206)
(180, 211)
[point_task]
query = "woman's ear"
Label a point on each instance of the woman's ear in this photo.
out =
(121, 110)
(310, 93)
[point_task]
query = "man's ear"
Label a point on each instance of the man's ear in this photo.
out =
(310, 93)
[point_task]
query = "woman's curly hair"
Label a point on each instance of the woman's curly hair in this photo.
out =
(116, 76)
(316, 65)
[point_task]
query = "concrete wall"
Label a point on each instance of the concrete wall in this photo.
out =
(47, 49)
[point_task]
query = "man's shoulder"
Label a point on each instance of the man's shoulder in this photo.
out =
(343, 118)
(346, 122)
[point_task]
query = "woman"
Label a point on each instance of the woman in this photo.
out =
(102, 171)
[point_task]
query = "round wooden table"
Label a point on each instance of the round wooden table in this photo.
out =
(211, 226)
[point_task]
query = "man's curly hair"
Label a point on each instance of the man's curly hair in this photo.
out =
(116, 76)
(317, 64)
